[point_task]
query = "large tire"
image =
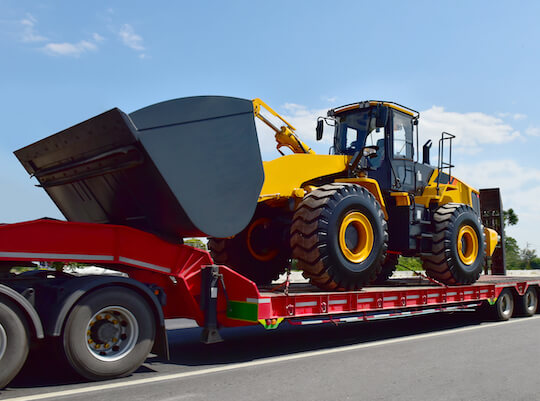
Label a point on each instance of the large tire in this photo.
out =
(527, 305)
(109, 333)
(14, 341)
(260, 252)
(339, 236)
(458, 251)
(388, 268)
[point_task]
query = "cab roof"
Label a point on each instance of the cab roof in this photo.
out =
(369, 103)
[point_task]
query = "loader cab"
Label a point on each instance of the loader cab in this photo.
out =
(386, 133)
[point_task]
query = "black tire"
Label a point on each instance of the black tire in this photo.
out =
(14, 341)
(527, 305)
(388, 268)
(455, 261)
(504, 306)
(260, 252)
(114, 342)
(322, 241)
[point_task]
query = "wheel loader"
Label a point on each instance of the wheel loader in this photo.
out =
(192, 167)
(346, 217)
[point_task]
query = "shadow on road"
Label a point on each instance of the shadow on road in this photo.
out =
(252, 343)
(247, 344)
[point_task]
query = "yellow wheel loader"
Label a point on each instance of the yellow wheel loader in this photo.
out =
(192, 167)
(347, 216)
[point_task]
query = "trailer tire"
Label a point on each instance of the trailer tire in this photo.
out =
(388, 268)
(109, 333)
(527, 304)
(504, 306)
(339, 236)
(260, 252)
(458, 250)
(14, 341)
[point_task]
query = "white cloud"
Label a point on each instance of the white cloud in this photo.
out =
(471, 129)
(29, 33)
(130, 38)
(533, 131)
(519, 116)
(97, 37)
(70, 49)
(520, 190)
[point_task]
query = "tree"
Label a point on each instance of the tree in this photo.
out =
(406, 263)
(510, 217)
(513, 259)
(527, 256)
(195, 243)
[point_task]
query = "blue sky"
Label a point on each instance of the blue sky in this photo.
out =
(470, 68)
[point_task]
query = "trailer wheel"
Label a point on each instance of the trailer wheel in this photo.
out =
(388, 268)
(339, 236)
(260, 252)
(527, 304)
(14, 341)
(504, 307)
(109, 333)
(459, 248)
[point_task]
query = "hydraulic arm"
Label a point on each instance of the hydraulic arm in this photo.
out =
(285, 135)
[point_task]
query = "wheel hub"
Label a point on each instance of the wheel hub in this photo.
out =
(260, 242)
(112, 333)
(467, 244)
(356, 237)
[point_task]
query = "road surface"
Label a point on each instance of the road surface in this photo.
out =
(438, 357)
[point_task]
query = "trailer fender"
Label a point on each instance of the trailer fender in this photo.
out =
(78, 287)
(33, 320)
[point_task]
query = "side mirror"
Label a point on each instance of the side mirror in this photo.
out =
(381, 116)
(319, 129)
(425, 150)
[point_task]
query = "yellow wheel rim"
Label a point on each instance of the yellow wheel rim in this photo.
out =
(356, 237)
(467, 244)
(264, 254)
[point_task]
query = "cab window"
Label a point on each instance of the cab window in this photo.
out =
(403, 136)
(376, 138)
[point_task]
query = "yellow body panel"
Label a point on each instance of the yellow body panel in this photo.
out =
(286, 174)
(402, 198)
(492, 238)
(372, 186)
(455, 192)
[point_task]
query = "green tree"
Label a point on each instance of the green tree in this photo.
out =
(195, 243)
(513, 258)
(527, 256)
(406, 263)
(510, 217)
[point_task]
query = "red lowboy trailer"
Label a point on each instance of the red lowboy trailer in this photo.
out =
(107, 325)
(132, 186)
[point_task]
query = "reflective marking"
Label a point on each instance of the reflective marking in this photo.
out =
(413, 296)
(144, 264)
(123, 384)
(350, 319)
(337, 302)
(29, 255)
(451, 293)
(365, 300)
(484, 291)
(433, 295)
(258, 300)
(390, 298)
(302, 304)
(468, 292)
(313, 322)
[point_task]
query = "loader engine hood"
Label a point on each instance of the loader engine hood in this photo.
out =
(180, 168)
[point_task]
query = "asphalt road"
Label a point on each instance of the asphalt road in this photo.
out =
(438, 357)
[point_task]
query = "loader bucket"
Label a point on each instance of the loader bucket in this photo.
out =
(184, 167)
